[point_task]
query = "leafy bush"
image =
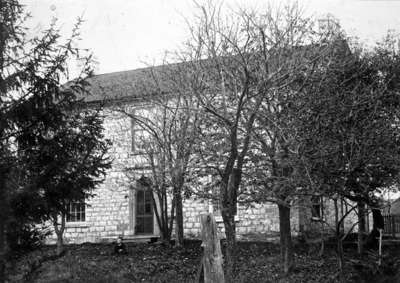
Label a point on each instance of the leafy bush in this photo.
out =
(23, 238)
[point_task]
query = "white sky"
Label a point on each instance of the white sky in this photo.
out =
(127, 34)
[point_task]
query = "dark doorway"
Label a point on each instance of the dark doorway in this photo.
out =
(144, 212)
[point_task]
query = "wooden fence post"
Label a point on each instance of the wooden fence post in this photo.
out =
(212, 259)
(393, 226)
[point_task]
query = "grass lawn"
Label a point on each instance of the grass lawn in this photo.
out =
(256, 262)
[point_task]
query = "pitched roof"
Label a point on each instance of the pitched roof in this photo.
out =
(144, 83)
(125, 85)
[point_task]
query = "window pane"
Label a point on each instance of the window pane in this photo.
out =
(140, 196)
(139, 225)
(316, 206)
(76, 212)
(140, 209)
(148, 224)
(147, 208)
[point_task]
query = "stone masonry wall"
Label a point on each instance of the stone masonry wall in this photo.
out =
(111, 212)
(108, 212)
(313, 226)
(257, 219)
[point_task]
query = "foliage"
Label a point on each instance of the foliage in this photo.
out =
(56, 150)
(68, 162)
(22, 238)
(348, 131)
(351, 129)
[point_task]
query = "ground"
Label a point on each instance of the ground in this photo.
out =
(257, 262)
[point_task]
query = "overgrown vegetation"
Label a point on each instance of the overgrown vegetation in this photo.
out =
(256, 262)
(270, 108)
(52, 151)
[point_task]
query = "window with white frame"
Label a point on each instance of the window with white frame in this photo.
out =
(76, 211)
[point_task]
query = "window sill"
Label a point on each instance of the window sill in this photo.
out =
(219, 219)
(314, 218)
(76, 224)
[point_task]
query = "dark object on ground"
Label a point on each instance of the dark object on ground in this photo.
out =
(153, 240)
(120, 248)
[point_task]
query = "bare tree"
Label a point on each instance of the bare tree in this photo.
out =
(170, 124)
(244, 59)
(349, 130)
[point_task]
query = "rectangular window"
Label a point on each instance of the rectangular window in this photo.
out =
(144, 212)
(76, 212)
(140, 137)
(216, 204)
(316, 207)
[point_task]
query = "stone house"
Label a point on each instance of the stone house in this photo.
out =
(123, 207)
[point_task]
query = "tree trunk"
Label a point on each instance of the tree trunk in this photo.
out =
(164, 221)
(339, 242)
(321, 251)
(361, 226)
(170, 226)
(340, 257)
(2, 247)
(228, 211)
(230, 252)
(60, 243)
(3, 221)
(59, 229)
(342, 215)
(179, 217)
(285, 238)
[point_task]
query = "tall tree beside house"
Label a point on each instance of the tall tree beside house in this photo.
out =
(171, 129)
(33, 105)
(275, 153)
(67, 161)
(349, 127)
(9, 32)
(242, 60)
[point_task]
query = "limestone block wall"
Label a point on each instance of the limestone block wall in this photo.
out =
(191, 211)
(111, 211)
(263, 218)
(310, 225)
(108, 212)
(258, 218)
